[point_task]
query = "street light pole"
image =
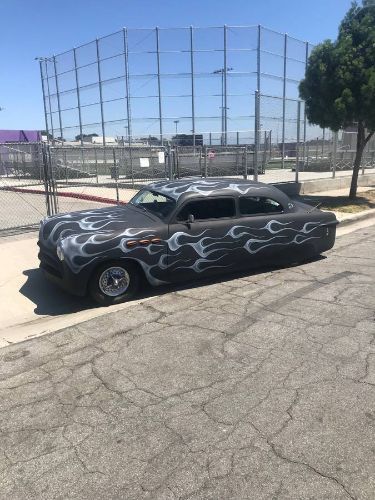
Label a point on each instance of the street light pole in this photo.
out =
(176, 122)
(222, 72)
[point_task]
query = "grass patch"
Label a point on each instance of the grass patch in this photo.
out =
(365, 201)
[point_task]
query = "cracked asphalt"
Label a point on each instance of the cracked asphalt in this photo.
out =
(258, 387)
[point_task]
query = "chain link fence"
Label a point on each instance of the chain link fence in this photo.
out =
(40, 179)
(22, 185)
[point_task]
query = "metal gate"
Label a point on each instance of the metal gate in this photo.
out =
(26, 185)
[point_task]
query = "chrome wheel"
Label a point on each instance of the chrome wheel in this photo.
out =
(114, 281)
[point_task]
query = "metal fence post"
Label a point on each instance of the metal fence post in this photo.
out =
(264, 155)
(128, 104)
(205, 160)
(192, 84)
(270, 144)
(78, 95)
(46, 179)
(307, 155)
(224, 75)
(364, 158)
(170, 169)
(116, 171)
(44, 98)
(245, 171)
(96, 164)
(159, 85)
(49, 101)
(304, 109)
(100, 90)
(298, 139)
(66, 166)
(58, 96)
(284, 99)
(334, 154)
(258, 57)
(53, 187)
(257, 130)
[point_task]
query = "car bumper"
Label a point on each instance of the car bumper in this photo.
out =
(59, 273)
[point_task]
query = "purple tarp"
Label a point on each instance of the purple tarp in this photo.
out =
(20, 136)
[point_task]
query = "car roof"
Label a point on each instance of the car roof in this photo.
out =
(214, 186)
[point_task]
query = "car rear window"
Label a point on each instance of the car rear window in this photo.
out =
(208, 209)
(250, 205)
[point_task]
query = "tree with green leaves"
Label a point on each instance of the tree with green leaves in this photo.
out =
(339, 85)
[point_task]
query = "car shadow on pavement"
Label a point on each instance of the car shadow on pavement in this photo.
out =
(222, 278)
(48, 298)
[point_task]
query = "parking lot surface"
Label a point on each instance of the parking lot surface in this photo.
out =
(258, 387)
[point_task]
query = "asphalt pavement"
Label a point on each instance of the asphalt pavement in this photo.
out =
(261, 386)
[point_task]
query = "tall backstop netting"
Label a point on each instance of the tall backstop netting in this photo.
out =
(138, 83)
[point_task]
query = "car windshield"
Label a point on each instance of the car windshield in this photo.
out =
(154, 202)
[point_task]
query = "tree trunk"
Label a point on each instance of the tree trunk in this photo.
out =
(361, 143)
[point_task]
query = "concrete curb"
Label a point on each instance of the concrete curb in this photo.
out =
(350, 219)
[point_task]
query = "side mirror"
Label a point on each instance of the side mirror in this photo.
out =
(190, 219)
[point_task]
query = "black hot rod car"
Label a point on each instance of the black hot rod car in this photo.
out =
(177, 230)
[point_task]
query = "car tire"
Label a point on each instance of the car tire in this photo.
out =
(114, 282)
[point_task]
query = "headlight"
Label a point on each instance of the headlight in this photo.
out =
(60, 253)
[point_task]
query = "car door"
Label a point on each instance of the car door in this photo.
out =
(201, 247)
(266, 230)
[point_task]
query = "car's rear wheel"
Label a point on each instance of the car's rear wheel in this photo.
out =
(114, 282)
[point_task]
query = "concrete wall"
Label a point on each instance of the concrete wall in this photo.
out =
(318, 185)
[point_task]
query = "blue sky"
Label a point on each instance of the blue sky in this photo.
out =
(30, 29)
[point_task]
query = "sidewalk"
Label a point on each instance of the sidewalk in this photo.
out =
(105, 189)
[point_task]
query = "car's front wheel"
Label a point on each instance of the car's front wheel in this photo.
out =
(114, 282)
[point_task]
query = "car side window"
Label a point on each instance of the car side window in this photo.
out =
(251, 205)
(208, 209)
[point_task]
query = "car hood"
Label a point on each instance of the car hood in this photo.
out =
(124, 221)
